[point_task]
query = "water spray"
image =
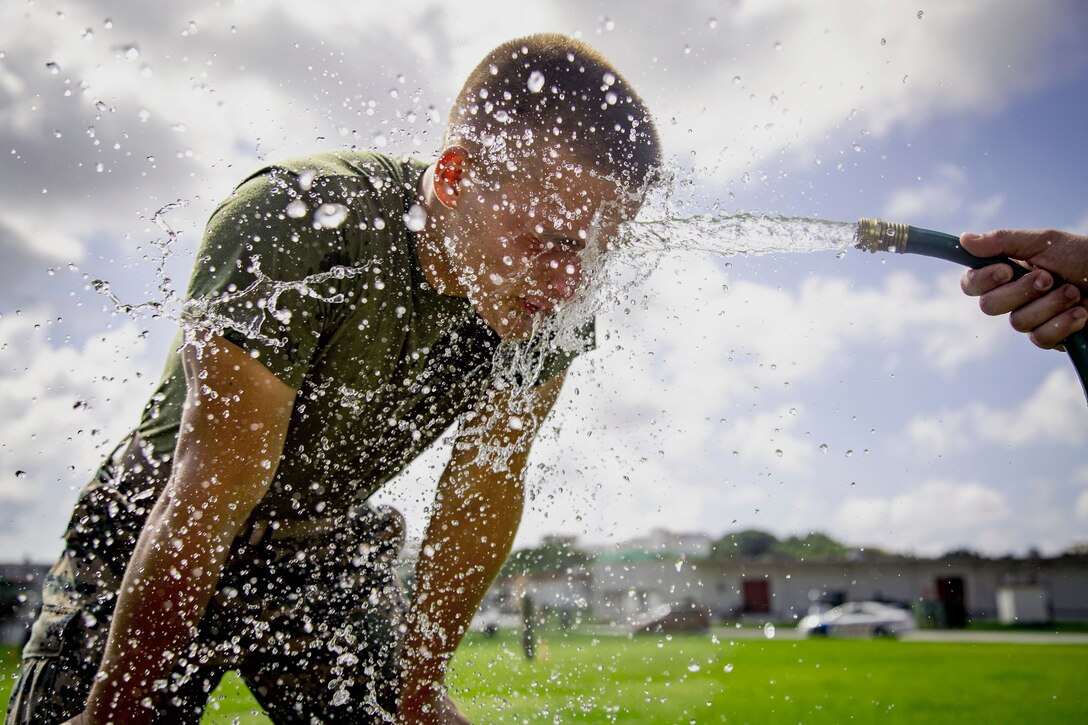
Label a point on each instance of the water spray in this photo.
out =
(875, 235)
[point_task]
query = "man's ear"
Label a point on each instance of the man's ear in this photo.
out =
(449, 173)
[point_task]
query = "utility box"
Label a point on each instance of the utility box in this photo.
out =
(1023, 604)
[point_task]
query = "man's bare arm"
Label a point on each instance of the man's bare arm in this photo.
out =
(476, 515)
(232, 433)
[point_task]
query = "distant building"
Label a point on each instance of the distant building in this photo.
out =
(629, 583)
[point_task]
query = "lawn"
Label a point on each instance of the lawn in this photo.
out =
(582, 678)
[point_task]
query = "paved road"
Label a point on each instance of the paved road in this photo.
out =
(921, 635)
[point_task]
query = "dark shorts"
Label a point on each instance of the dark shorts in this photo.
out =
(311, 621)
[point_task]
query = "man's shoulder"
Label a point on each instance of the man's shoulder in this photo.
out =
(383, 172)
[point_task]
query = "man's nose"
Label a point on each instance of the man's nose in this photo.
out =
(561, 274)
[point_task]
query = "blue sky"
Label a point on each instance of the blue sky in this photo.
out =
(961, 433)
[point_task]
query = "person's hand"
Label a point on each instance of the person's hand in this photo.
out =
(439, 709)
(1048, 313)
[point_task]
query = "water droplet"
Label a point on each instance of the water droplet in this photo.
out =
(99, 167)
(921, 14)
(416, 218)
(609, 80)
(611, 98)
(131, 51)
(88, 34)
(380, 140)
(823, 448)
(608, 23)
(856, 147)
(768, 630)
(736, 80)
(536, 82)
(306, 179)
(778, 45)
(693, 667)
(778, 452)
(840, 254)
(20, 474)
(52, 67)
(330, 215)
(712, 23)
(296, 209)
(905, 78)
(728, 668)
(144, 115)
(516, 423)
(883, 41)
(850, 454)
(107, 23)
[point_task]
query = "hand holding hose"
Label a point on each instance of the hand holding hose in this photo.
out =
(1047, 308)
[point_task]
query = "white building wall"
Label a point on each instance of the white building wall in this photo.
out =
(624, 588)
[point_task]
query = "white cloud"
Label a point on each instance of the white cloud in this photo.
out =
(786, 75)
(65, 406)
(1081, 506)
(947, 196)
(940, 196)
(1054, 414)
(936, 516)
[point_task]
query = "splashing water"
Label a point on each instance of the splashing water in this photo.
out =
(658, 230)
(737, 234)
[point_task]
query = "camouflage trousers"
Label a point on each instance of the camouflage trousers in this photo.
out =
(311, 621)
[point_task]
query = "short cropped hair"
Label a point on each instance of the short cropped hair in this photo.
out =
(554, 89)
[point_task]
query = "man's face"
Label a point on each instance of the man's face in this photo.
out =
(519, 242)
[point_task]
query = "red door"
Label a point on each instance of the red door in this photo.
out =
(757, 596)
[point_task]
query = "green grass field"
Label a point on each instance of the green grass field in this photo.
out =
(582, 678)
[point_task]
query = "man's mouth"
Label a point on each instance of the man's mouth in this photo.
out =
(534, 306)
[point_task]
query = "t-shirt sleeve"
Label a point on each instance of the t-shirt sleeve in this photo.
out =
(262, 276)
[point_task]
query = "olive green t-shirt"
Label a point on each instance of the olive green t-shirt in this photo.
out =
(310, 266)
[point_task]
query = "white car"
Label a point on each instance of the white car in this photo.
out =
(859, 619)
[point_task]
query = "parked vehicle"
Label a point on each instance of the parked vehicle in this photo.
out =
(858, 619)
(688, 617)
